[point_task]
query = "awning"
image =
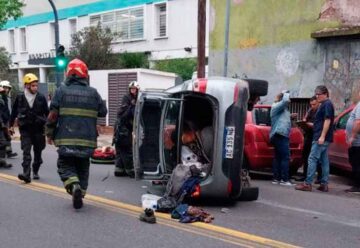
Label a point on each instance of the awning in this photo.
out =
(353, 32)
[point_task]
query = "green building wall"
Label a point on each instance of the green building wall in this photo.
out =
(271, 39)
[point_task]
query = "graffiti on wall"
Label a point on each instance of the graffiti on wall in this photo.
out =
(287, 62)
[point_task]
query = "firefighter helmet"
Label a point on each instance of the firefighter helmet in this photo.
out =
(5, 84)
(77, 67)
(134, 84)
(30, 78)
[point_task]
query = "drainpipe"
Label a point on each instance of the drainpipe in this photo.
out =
(226, 46)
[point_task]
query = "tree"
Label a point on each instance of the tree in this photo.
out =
(93, 45)
(5, 60)
(10, 9)
(6, 73)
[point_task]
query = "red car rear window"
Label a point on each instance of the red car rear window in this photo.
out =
(262, 116)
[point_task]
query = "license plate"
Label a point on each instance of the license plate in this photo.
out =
(229, 142)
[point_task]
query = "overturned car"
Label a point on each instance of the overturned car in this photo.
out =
(200, 123)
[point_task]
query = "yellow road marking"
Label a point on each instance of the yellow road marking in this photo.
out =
(208, 230)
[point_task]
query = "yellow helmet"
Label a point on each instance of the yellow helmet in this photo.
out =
(29, 78)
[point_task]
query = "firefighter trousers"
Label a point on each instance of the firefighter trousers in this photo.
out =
(3, 143)
(37, 142)
(74, 170)
(124, 159)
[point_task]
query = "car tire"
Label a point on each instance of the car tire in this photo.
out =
(249, 194)
(257, 87)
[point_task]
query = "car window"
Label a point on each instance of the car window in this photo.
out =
(262, 116)
(171, 127)
(342, 121)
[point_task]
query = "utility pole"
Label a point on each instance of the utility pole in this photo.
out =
(57, 73)
(201, 38)
(226, 45)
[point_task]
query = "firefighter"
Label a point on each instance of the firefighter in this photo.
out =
(30, 109)
(71, 126)
(123, 133)
(6, 116)
(3, 132)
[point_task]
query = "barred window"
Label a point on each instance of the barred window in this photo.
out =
(12, 41)
(161, 27)
(127, 23)
(23, 43)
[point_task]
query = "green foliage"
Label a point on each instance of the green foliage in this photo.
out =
(93, 46)
(5, 60)
(183, 67)
(10, 9)
(133, 60)
(6, 73)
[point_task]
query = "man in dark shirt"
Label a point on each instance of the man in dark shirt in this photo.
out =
(323, 136)
(308, 137)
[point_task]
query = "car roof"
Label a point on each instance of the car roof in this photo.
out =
(262, 106)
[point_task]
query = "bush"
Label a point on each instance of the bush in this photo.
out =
(182, 67)
(133, 60)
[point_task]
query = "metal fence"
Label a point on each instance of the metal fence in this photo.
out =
(299, 106)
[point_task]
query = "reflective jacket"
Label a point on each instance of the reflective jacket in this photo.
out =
(5, 110)
(124, 122)
(73, 116)
(30, 119)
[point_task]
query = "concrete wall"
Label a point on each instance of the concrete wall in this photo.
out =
(272, 40)
(148, 79)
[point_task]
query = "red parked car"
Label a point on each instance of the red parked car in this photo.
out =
(338, 150)
(259, 152)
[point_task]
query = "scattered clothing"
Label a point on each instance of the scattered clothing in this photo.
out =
(148, 216)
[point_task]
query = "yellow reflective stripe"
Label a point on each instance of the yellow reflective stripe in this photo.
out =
(75, 142)
(79, 112)
(70, 181)
(83, 192)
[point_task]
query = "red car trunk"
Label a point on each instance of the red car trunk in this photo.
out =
(259, 152)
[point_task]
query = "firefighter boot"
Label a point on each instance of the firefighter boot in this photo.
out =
(119, 172)
(36, 176)
(36, 172)
(25, 176)
(77, 196)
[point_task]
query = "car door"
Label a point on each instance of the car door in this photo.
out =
(338, 150)
(150, 132)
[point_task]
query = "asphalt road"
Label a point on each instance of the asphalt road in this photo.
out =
(41, 215)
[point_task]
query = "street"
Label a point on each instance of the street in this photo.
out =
(40, 214)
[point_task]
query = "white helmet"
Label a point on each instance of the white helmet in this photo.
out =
(5, 84)
(133, 84)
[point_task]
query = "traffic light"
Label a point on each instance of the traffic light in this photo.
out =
(60, 61)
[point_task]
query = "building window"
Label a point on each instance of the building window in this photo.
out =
(128, 23)
(160, 21)
(72, 28)
(23, 47)
(12, 41)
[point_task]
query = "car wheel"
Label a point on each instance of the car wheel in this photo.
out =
(257, 87)
(249, 194)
